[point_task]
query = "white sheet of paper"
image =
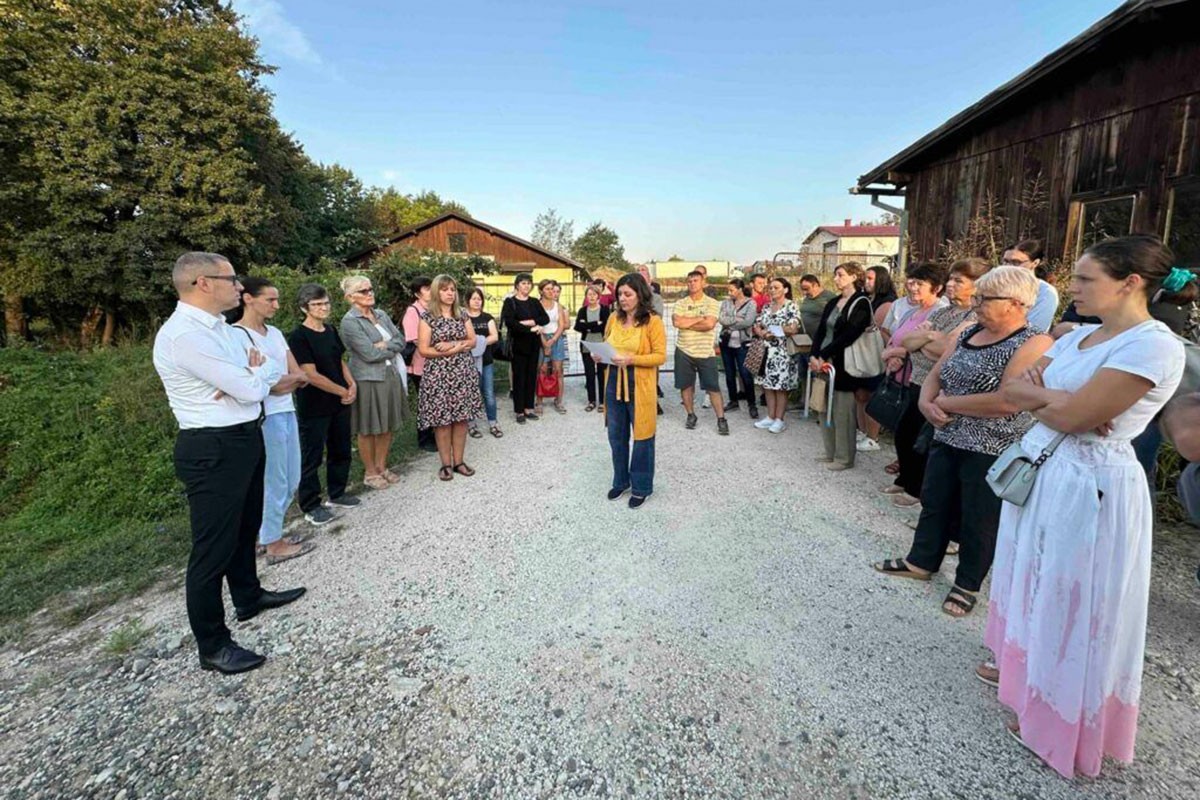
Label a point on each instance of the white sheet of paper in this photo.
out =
(603, 350)
(776, 331)
(480, 346)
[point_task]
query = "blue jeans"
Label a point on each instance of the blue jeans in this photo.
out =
(487, 385)
(1145, 446)
(281, 436)
(734, 359)
(636, 471)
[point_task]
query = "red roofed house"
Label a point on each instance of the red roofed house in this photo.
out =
(865, 243)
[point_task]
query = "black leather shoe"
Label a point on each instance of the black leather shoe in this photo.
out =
(270, 600)
(231, 659)
(635, 501)
(613, 494)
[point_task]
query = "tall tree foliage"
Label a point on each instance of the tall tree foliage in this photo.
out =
(137, 124)
(394, 210)
(553, 233)
(599, 246)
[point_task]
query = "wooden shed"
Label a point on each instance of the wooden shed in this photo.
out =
(1100, 138)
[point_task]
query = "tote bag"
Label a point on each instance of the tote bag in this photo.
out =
(864, 358)
(889, 402)
(547, 382)
(756, 356)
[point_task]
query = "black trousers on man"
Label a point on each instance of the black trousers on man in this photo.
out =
(424, 435)
(222, 471)
(524, 379)
(324, 438)
(957, 503)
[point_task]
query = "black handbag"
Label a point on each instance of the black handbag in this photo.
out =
(889, 402)
(502, 349)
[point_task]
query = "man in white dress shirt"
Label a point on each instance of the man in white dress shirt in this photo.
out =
(216, 384)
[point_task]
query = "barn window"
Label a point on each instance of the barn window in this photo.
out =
(1183, 224)
(1102, 219)
(458, 243)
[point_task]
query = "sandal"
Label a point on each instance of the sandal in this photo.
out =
(446, 473)
(988, 673)
(905, 500)
(376, 481)
(952, 549)
(961, 599)
(390, 476)
(464, 470)
(474, 433)
(892, 488)
(896, 568)
(892, 468)
(496, 431)
(560, 409)
(590, 407)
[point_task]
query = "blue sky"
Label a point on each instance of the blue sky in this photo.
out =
(704, 129)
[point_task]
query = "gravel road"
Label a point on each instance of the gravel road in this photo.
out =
(516, 635)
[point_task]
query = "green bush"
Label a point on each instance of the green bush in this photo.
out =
(87, 487)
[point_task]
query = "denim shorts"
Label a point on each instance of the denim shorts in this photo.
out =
(558, 352)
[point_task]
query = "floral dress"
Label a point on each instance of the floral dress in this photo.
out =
(781, 372)
(450, 385)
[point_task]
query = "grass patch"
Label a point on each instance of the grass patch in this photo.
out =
(124, 639)
(88, 494)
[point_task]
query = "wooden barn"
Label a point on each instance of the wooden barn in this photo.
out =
(1100, 138)
(459, 234)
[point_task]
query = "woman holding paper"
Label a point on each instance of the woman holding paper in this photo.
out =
(639, 342)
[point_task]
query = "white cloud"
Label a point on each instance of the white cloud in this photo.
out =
(267, 21)
(390, 174)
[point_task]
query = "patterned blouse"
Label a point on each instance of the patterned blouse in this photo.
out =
(943, 320)
(978, 369)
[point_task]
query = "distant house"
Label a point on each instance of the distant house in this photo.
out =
(456, 233)
(1099, 138)
(678, 270)
(863, 242)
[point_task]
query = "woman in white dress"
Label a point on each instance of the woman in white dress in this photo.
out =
(1071, 580)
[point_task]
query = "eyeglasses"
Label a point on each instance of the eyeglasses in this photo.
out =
(980, 299)
(367, 290)
(230, 278)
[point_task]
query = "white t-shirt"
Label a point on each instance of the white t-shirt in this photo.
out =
(1041, 316)
(1148, 350)
(274, 347)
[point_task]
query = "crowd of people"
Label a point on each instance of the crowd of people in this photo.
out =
(981, 383)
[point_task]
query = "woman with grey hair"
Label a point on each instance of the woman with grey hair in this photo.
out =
(375, 345)
(974, 424)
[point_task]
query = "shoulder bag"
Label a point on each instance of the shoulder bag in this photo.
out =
(889, 402)
(1012, 474)
(756, 356)
(864, 358)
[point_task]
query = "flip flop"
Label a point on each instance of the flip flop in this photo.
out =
(464, 470)
(446, 473)
(896, 568)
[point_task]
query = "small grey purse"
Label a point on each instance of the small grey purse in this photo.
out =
(1011, 476)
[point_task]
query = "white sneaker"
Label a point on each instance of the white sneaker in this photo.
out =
(764, 423)
(778, 426)
(867, 446)
(706, 403)
(859, 436)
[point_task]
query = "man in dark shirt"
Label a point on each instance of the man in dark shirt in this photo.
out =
(322, 408)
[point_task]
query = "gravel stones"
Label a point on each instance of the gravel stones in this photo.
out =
(516, 635)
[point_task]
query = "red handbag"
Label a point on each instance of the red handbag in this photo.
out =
(547, 383)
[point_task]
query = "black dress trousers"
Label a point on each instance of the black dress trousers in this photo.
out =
(222, 472)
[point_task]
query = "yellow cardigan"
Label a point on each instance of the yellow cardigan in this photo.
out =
(651, 354)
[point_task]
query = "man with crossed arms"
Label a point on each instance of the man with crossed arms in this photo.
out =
(216, 385)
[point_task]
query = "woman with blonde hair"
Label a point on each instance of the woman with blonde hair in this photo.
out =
(449, 396)
(379, 409)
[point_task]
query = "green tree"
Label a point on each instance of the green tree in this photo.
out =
(599, 246)
(136, 126)
(392, 272)
(394, 210)
(552, 232)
